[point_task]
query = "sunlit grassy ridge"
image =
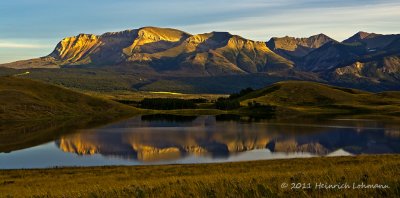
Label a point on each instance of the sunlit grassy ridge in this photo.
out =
(309, 97)
(243, 179)
(24, 99)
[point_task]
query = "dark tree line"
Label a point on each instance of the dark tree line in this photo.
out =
(257, 106)
(232, 101)
(226, 104)
(167, 103)
(241, 93)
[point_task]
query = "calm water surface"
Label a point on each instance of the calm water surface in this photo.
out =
(163, 139)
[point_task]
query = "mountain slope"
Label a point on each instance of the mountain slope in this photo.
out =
(377, 68)
(291, 48)
(331, 55)
(380, 70)
(362, 47)
(163, 50)
(23, 99)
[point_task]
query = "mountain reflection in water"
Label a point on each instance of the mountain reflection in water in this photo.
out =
(165, 137)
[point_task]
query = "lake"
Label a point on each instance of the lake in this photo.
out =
(168, 139)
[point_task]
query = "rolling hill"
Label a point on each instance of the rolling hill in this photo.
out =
(315, 97)
(24, 99)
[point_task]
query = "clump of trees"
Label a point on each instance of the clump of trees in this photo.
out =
(226, 104)
(241, 93)
(258, 106)
(231, 102)
(167, 103)
(199, 100)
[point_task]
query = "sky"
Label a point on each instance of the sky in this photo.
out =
(32, 28)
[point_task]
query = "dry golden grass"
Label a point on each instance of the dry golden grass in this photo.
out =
(316, 98)
(28, 100)
(243, 179)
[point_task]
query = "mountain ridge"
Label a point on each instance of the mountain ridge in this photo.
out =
(291, 47)
(212, 53)
(366, 60)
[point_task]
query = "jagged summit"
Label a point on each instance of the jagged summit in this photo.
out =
(372, 41)
(291, 47)
(360, 36)
(291, 43)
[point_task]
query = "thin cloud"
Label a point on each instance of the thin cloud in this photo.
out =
(21, 46)
(339, 23)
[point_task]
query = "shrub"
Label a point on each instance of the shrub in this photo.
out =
(241, 93)
(226, 104)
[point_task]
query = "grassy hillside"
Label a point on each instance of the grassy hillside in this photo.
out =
(320, 98)
(24, 99)
(242, 179)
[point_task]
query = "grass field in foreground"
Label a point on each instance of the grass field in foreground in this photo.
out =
(242, 179)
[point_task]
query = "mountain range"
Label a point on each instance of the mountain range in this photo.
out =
(365, 60)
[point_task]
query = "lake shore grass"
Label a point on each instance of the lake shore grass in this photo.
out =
(239, 179)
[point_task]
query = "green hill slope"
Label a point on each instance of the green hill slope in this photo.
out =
(24, 99)
(315, 97)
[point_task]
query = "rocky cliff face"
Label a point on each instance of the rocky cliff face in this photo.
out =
(386, 68)
(115, 47)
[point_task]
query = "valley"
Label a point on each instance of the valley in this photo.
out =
(202, 112)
